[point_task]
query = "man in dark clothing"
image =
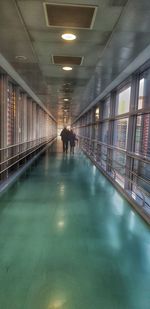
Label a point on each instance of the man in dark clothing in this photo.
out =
(72, 139)
(65, 138)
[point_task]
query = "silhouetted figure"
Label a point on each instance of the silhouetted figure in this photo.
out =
(72, 139)
(65, 138)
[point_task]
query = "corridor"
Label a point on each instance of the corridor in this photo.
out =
(68, 240)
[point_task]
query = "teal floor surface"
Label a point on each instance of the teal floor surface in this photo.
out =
(68, 240)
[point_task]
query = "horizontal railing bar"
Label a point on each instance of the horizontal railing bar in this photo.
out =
(14, 163)
(19, 144)
(19, 153)
(122, 166)
(131, 181)
(128, 153)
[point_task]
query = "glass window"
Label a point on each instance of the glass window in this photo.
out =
(119, 161)
(141, 96)
(96, 131)
(103, 156)
(143, 171)
(144, 93)
(123, 101)
(120, 133)
(106, 108)
(11, 114)
(97, 114)
(118, 164)
(142, 138)
(142, 180)
(104, 136)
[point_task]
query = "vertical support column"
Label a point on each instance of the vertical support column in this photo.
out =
(83, 121)
(15, 112)
(29, 121)
(3, 122)
(37, 123)
(34, 122)
(131, 132)
(99, 131)
(145, 121)
(19, 117)
(25, 132)
(111, 130)
(16, 95)
(92, 121)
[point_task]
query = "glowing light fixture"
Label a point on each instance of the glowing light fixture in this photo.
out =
(67, 68)
(21, 58)
(66, 100)
(68, 36)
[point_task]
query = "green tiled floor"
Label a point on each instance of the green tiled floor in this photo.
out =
(68, 240)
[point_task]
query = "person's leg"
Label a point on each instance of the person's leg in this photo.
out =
(64, 146)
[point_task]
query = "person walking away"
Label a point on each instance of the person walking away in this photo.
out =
(72, 139)
(65, 138)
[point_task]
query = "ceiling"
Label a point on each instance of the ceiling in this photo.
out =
(119, 32)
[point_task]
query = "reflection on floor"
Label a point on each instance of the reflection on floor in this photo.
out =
(68, 240)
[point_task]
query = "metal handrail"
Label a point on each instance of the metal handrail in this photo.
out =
(123, 166)
(19, 144)
(19, 153)
(128, 153)
(141, 190)
(35, 147)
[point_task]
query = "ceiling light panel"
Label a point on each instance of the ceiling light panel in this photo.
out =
(66, 60)
(67, 68)
(70, 16)
(68, 36)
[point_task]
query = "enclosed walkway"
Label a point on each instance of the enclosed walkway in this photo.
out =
(68, 240)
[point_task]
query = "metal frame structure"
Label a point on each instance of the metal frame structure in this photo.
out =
(25, 128)
(118, 142)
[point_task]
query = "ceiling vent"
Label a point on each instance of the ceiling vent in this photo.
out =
(70, 16)
(65, 60)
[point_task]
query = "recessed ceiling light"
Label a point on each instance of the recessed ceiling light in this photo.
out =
(67, 68)
(66, 100)
(68, 36)
(21, 58)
